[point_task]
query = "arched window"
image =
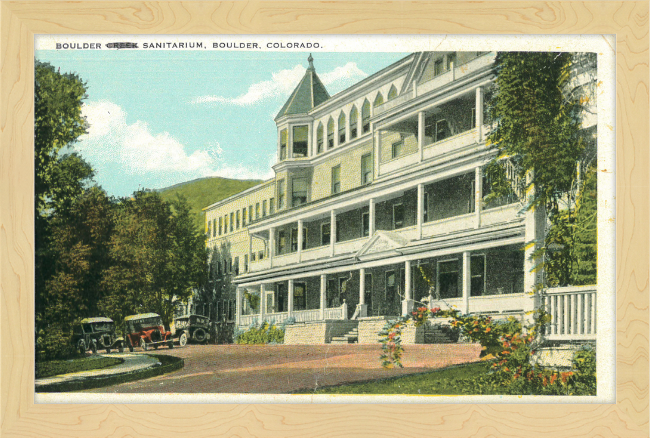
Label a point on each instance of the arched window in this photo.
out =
(392, 94)
(342, 128)
(354, 119)
(379, 100)
(330, 133)
(365, 116)
(319, 139)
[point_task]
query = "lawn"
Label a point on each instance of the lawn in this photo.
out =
(56, 367)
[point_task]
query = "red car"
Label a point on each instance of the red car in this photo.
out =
(146, 330)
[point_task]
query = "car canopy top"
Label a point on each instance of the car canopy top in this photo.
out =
(142, 316)
(96, 319)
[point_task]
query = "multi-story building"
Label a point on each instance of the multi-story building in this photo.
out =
(377, 205)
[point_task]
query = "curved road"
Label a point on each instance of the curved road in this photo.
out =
(277, 369)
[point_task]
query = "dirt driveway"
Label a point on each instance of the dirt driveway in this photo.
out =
(277, 369)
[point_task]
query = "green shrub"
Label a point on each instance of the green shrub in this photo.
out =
(265, 333)
(54, 343)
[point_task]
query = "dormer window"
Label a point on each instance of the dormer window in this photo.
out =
(342, 128)
(354, 119)
(319, 139)
(365, 116)
(300, 141)
(451, 61)
(330, 134)
(392, 94)
(283, 144)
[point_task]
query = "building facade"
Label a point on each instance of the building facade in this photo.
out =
(377, 205)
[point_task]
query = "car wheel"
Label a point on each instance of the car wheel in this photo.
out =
(170, 344)
(182, 340)
(155, 346)
(143, 344)
(81, 347)
(93, 347)
(199, 335)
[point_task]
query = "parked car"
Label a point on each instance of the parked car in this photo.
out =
(147, 330)
(95, 333)
(194, 328)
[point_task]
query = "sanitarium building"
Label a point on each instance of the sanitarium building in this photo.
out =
(376, 188)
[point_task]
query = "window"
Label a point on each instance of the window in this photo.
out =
(225, 266)
(391, 285)
(209, 228)
(332, 294)
(282, 241)
(230, 263)
(337, 230)
(220, 225)
(365, 117)
(325, 234)
(398, 216)
(477, 272)
(282, 297)
(218, 267)
(243, 217)
(225, 224)
(319, 139)
(330, 134)
(336, 179)
(214, 227)
(365, 224)
(442, 130)
(236, 265)
(250, 213)
(272, 206)
(366, 168)
(396, 149)
(299, 296)
(448, 284)
(379, 100)
(283, 144)
(299, 189)
(425, 207)
(237, 223)
(280, 194)
(342, 128)
(231, 310)
(245, 262)
(294, 239)
(451, 60)
(300, 141)
(437, 67)
(264, 208)
(232, 217)
(260, 255)
(368, 292)
(257, 210)
(392, 94)
(253, 257)
(354, 120)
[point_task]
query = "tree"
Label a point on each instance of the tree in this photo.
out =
(537, 109)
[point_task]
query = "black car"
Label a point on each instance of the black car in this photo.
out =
(191, 327)
(96, 333)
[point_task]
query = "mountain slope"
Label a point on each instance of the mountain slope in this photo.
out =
(206, 191)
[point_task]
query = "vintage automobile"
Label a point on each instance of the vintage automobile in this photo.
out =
(95, 333)
(146, 330)
(191, 327)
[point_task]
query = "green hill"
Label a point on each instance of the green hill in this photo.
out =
(206, 191)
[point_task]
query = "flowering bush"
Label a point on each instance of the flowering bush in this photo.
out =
(265, 333)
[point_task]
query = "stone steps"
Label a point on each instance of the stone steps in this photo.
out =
(351, 337)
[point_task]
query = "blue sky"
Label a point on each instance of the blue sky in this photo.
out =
(161, 117)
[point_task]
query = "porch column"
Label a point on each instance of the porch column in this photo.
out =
(262, 302)
(479, 113)
(478, 196)
(271, 244)
(420, 134)
(420, 211)
(363, 307)
(535, 222)
(290, 299)
(300, 240)
(323, 302)
(371, 217)
(332, 231)
(377, 151)
(238, 306)
(467, 281)
(408, 303)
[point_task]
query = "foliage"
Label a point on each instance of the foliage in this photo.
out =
(57, 367)
(54, 342)
(585, 232)
(264, 333)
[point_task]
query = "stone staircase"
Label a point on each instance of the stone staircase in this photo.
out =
(351, 337)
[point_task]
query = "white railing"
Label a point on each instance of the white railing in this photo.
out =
(285, 259)
(315, 253)
(246, 320)
(340, 312)
(451, 144)
(506, 303)
(260, 265)
(448, 225)
(573, 312)
(349, 246)
(306, 315)
(505, 213)
(512, 174)
(334, 313)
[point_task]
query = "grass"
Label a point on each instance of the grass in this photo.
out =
(206, 191)
(449, 381)
(56, 367)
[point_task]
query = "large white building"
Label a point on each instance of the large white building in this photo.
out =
(376, 189)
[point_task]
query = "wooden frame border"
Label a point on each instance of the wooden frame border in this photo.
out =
(22, 20)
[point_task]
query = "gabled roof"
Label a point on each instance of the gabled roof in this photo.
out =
(309, 93)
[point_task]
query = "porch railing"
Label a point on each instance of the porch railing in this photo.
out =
(573, 312)
(299, 315)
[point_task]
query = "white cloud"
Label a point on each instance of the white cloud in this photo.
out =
(135, 150)
(284, 82)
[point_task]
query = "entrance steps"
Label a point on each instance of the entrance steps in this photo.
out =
(351, 337)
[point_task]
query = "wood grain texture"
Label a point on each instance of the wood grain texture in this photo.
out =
(22, 418)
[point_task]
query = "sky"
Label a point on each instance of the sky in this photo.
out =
(158, 118)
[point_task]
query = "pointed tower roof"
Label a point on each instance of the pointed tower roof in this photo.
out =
(309, 93)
